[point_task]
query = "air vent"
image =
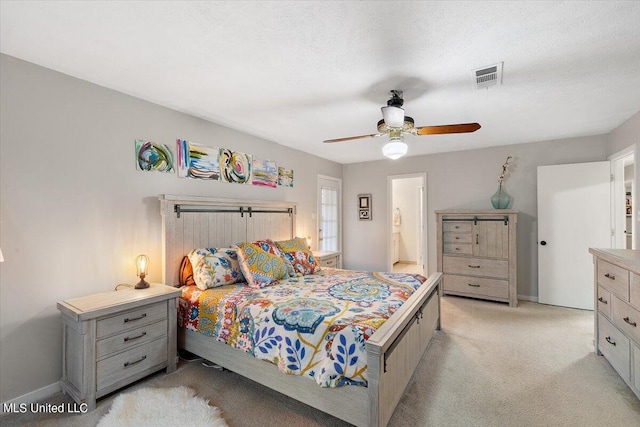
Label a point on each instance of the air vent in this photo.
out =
(488, 76)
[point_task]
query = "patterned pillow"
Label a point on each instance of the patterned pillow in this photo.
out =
(299, 255)
(214, 267)
(261, 262)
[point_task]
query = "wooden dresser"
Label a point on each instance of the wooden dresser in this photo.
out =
(115, 338)
(477, 253)
(617, 319)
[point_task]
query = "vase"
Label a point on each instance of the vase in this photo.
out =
(500, 199)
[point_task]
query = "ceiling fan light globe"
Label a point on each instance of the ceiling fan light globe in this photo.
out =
(394, 149)
(393, 116)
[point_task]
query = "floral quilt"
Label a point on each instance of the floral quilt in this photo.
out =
(315, 325)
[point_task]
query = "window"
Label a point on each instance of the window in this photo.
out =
(329, 220)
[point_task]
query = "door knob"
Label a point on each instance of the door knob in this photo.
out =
(543, 243)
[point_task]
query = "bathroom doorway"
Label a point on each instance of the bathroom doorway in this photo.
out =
(407, 228)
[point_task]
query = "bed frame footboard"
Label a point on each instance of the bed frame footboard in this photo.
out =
(394, 350)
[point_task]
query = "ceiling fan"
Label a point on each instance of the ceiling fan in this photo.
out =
(395, 124)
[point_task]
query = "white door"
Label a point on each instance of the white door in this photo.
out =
(574, 214)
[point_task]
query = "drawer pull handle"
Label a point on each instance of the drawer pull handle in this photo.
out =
(457, 249)
(610, 276)
(602, 300)
(127, 364)
(626, 319)
(127, 320)
(474, 266)
(127, 339)
(473, 285)
(476, 239)
(456, 227)
(610, 341)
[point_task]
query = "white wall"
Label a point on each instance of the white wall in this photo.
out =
(74, 212)
(463, 179)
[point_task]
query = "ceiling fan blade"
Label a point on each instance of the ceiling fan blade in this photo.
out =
(351, 138)
(443, 129)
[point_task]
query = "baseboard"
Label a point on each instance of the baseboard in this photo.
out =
(528, 298)
(32, 397)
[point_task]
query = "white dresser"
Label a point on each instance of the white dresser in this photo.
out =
(617, 319)
(115, 338)
(477, 253)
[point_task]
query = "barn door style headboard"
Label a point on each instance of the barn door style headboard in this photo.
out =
(202, 222)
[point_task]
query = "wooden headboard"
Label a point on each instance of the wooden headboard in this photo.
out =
(203, 222)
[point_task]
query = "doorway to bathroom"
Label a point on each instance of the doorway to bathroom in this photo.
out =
(407, 228)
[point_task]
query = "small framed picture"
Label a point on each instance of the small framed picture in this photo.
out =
(364, 207)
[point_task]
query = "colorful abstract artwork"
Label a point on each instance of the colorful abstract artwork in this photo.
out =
(151, 156)
(265, 173)
(235, 166)
(197, 161)
(285, 177)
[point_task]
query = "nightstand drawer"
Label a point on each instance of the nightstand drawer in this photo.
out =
(124, 365)
(131, 319)
(329, 262)
(131, 338)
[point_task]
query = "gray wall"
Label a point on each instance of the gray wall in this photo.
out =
(463, 179)
(74, 212)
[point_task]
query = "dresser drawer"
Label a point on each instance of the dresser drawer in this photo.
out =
(482, 267)
(124, 365)
(634, 290)
(131, 319)
(636, 365)
(614, 278)
(457, 238)
(625, 317)
(131, 338)
(615, 346)
(457, 248)
(476, 286)
(604, 301)
(457, 226)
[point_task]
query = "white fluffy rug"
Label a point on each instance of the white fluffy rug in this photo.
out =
(157, 407)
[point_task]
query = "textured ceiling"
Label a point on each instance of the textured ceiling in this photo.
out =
(298, 73)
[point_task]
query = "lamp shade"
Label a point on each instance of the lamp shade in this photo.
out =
(142, 265)
(395, 148)
(393, 116)
(1, 257)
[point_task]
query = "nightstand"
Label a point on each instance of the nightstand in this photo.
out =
(115, 338)
(328, 259)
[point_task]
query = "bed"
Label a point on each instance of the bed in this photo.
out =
(367, 396)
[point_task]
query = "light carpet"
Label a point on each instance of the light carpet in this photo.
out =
(158, 407)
